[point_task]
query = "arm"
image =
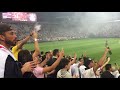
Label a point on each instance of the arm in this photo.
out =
(85, 55)
(117, 66)
(28, 67)
(101, 61)
(54, 65)
(74, 60)
(53, 71)
(44, 62)
(36, 45)
(22, 42)
(105, 60)
(105, 63)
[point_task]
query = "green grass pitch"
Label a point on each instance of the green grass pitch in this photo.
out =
(93, 47)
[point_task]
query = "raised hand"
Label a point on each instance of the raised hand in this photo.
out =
(75, 56)
(61, 54)
(35, 35)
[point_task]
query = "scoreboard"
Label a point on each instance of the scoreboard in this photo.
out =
(19, 17)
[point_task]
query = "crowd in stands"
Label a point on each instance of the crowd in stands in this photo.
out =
(112, 28)
(53, 32)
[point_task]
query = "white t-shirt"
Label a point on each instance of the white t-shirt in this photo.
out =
(4, 53)
(63, 74)
(82, 70)
(98, 73)
(116, 74)
(89, 73)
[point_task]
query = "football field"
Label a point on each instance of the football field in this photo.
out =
(94, 48)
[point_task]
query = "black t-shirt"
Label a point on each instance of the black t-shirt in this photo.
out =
(49, 63)
(12, 68)
(107, 74)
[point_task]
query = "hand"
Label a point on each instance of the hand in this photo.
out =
(85, 54)
(107, 49)
(75, 56)
(51, 52)
(61, 54)
(31, 33)
(28, 66)
(35, 35)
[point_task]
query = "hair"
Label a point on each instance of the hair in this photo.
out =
(68, 57)
(47, 53)
(4, 28)
(108, 66)
(64, 62)
(80, 59)
(55, 51)
(87, 61)
(32, 52)
(24, 56)
(42, 52)
(43, 57)
(18, 40)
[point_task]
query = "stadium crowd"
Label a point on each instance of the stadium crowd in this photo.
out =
(53, 32)
(19, 63)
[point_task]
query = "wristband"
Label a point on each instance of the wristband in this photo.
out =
(36, 39)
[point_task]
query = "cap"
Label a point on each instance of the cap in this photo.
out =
(4, 28)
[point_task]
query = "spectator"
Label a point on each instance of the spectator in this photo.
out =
(91, 67)
(19, 45)
(115, 72)
(63, 72)
(108, 72)
(53, 74)
(25, 56)
(9, 68)
(74, 69)
(100, 69)
(64, 68)
(40, 71)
